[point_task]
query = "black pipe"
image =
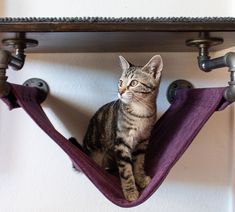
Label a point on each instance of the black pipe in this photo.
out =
(17, 63)
(228, 60)
(206, 64)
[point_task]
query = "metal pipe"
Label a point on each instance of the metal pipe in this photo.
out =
(228, 60)
(229, 93)
(5, 58)
(17, 63)
(207, 65)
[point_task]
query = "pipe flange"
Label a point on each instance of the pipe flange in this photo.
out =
(175, 86)
(204, 42)
(19, 43)
(41, 85)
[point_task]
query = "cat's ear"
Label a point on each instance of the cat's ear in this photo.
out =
(154, 66)
(124, 63)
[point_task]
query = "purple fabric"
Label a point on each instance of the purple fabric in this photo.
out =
(171, 136)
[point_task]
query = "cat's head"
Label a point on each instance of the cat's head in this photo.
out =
(139, 82)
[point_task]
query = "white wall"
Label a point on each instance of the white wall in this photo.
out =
(35, 175)
(113, 8)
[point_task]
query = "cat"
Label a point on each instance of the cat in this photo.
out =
(118, 133)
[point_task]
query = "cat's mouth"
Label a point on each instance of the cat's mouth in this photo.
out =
(125, 97)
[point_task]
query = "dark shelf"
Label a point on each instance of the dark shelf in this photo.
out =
(64, 35)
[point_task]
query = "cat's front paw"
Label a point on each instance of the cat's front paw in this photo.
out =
(131, 195)
(144, 181)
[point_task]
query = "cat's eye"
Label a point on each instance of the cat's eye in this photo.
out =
(133, 83)
(120, 83)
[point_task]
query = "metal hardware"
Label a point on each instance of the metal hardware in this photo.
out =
(207, 64)
(40, 84)
(16, 62)
(203, 43)
(175, 86)
(19, 44)
(5, 58)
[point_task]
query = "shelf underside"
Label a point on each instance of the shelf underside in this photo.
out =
(125, 35)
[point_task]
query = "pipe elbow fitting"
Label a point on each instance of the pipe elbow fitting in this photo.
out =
(229, 93)
(230, 60)
(202, 63)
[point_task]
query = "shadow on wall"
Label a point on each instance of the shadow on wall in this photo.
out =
(74, 118)
(71, 62)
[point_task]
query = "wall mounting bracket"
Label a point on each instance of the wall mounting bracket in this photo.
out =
(175, 86)
(203, 43)
(16, 62)
(39, 84)
(205, 63)
(19, 45)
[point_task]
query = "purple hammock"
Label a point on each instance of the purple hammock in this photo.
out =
(171, 136)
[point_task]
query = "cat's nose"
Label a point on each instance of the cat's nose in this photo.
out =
(121, 91)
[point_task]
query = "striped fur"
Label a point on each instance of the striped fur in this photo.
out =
(118, 133)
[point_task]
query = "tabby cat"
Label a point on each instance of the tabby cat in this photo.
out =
(118, 133)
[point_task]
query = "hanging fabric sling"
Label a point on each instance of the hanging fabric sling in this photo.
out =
(171, 136)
